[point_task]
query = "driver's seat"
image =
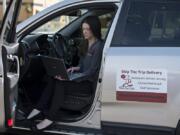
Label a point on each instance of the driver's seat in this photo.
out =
(76, 100)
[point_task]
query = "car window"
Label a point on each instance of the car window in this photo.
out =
(152, 24)
(58, 23)
(0, 18)
(106, 20)
(32, 7)
(1, 14)
(54, 25)
(165, 26)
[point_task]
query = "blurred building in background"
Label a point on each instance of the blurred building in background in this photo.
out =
(29, 7)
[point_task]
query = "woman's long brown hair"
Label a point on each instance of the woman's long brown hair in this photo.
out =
(95, 26)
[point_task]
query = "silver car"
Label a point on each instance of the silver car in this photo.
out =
(138, 88)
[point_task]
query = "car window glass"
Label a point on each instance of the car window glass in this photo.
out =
(58, 23)
(32, 7)
(156, 24)
(54, 25)
(105, 23)
(28, 8)
(1, 16)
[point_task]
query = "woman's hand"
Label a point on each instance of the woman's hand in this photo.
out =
(72, 69)
(58, 77)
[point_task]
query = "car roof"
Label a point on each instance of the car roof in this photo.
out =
(53, 8)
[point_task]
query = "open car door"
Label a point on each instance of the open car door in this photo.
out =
(9, 65)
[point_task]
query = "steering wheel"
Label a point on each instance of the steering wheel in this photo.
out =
(62, 50)
(60, 45)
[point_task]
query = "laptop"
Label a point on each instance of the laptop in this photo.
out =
(55, 66)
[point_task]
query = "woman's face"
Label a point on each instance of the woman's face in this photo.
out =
(87, 33)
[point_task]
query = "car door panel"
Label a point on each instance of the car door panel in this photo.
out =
(8, 78)
(156, 53)
(143, 112)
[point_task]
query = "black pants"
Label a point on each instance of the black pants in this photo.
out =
(55, 93)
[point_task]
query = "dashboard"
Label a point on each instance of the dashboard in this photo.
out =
(33, 46)
(30, 48)
(36, 44)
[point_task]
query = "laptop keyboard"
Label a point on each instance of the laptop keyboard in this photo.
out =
(73, 76)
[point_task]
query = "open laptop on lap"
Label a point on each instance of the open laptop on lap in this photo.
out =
(55, 66)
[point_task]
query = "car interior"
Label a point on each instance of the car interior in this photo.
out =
(63, 43)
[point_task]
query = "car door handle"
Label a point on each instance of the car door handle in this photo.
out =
(15, 59)
(13, 76)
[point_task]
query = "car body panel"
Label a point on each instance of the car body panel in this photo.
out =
(143, 56)
(159, 114)
(106, 107)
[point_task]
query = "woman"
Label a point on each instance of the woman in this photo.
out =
(89, 66)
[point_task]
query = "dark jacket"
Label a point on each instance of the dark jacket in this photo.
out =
(91, 62)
